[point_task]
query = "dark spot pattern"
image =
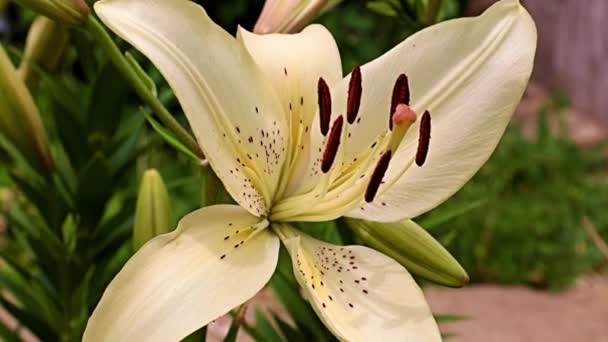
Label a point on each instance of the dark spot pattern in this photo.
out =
(235, 238)
(331, 273)
(259, 150)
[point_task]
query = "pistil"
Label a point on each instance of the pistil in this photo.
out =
(401, 95)
(402, 119)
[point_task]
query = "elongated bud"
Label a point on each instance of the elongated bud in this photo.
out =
(68, 12)
(45, 44)
(153, 212)
(19, 117)
(413, 247)
(288, 16)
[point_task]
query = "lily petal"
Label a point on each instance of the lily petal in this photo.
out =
(470, 74)
(359, 293)
(218, 258)
(234, 113)
(293, 64)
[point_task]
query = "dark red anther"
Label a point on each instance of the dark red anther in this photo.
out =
(376, 180)
(324, 105)
(424, 138)
(355, 90)
(331, 147)
(401, 95)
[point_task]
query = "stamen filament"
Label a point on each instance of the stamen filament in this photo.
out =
(300, 201)
(364, 162)
(344, 189)
(332, 204)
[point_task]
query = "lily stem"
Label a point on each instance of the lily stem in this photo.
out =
(138, 85)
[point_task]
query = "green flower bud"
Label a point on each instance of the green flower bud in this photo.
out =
(413, 247)
(68, 12)
(19, 117)
(45, 44)
(153, 212)
(287, 16)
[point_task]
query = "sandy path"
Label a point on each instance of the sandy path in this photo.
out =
(507, 314)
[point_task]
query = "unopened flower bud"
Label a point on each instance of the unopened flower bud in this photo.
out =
(19, 117)
(288, 16)
(68, 12)
(45, 44)
(153, 212)
(413, 247)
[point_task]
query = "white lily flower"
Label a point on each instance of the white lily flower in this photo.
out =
(292, 140)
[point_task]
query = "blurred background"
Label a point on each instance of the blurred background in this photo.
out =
(530, 228)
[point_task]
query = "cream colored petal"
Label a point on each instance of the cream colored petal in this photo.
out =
(360, 294)
(470, 74)
(293, 64)
(218, 258)
(234, 113)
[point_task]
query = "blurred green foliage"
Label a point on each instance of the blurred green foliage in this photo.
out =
(524, 210)
(517, 221)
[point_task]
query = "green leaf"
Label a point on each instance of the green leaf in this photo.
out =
(85, 48)
(113, 232)
(125, 151)
(326, 231)
(437, 220)
(68, 110)
(265, 329)
(141, 73)
(31, 306)
(106, 101)
(383, 7)
(93, 189)
(33, 323)
(170, 138)
(235, 326)
(107, 270)
(447, 318)
(70, 233)
(292, 334)
(8, 334)
(198, 336)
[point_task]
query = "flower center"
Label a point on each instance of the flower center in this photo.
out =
(341, 186)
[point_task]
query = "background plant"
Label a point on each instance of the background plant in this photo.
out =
(68, 232)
